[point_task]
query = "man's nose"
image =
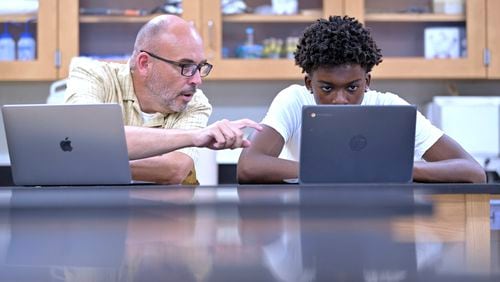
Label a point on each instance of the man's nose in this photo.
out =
(196, 78)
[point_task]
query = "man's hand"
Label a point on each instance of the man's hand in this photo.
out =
(224, 134)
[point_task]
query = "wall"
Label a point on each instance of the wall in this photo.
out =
(19, 93)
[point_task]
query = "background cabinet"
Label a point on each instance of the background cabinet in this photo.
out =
(398, 26)
(63, 32)
(44, 29)
(224, 33)
(107, 36)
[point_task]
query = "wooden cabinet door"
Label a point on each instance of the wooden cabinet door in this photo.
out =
(44, 30)
(493, 43)
(224, 35)
(400, 26)
(107, 37)
(69, 33)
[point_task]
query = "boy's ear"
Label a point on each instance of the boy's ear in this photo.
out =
(368, 79)
(307, 82)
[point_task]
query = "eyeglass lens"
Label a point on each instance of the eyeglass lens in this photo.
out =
(190, 70)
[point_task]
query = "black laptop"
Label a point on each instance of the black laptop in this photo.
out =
(357, 144)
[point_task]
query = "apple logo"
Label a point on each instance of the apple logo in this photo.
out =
(66, 145)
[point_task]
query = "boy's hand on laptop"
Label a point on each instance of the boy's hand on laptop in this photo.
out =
(224, 134)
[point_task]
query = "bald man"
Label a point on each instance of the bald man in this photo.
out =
(164, 112)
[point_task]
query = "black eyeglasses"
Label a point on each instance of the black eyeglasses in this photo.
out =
(187, 69)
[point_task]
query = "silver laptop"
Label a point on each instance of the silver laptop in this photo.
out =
(357, 144)
(66, 144)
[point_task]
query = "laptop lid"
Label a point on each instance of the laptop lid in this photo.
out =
(357, 144)
(66, 144)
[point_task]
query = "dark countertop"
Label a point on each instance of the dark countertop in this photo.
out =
(123, 195)
(352, 232)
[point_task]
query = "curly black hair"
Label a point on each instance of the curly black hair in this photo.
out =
(334, 42)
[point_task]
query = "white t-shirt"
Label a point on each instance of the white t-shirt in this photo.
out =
(284, 115)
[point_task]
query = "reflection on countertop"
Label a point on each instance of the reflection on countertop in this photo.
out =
(232, 233)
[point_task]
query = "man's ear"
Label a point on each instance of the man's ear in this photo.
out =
(142, 62)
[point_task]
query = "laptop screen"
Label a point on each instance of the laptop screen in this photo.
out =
(357, 144)
(66, 144)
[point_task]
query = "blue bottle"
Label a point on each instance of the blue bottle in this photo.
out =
(7, 45)
(249, 50)
(26, 46)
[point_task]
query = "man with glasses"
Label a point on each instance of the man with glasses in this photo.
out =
(158, 89)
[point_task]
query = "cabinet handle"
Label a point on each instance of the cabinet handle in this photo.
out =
(211, 39)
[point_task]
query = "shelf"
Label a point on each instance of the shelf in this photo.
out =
(18, 18)
(115, 19)
(373, 17)
(250, 18)
(429, 17)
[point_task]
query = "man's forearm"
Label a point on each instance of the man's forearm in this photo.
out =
(223, 134)
(171, 168)
(147, 142)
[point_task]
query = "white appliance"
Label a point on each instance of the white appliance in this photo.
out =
(474, 122)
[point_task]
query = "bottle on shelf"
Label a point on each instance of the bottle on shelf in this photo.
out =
(7, 45)
(249, 50)
(291, 47)
(26, 45)
(272, 48)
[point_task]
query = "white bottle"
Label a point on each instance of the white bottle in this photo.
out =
(7, 46)
(26, 46)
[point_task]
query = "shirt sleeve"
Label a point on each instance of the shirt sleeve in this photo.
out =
(426, 134)
(85, 83)
(284, 114)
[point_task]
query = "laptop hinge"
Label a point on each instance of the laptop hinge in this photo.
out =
(57, 58)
